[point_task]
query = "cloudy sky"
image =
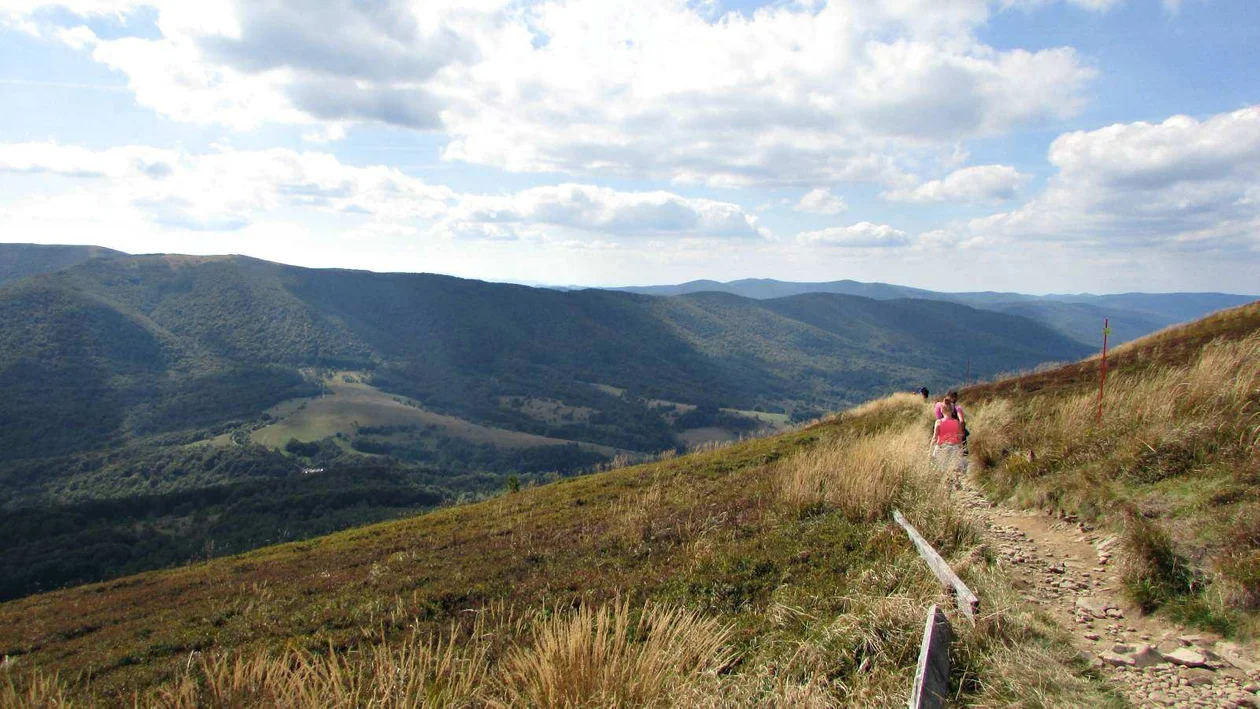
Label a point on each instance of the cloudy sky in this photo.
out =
(1028, 145)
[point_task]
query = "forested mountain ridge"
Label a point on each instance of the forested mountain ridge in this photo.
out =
(19, 261)
(160, 407)
(133, 333)
(1078, 316)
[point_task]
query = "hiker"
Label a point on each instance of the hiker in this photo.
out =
(947, 439)
(924, 392)
(952, 399)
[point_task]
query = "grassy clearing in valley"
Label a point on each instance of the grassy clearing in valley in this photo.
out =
(1175, 464)
(350, 403)
(766, 572)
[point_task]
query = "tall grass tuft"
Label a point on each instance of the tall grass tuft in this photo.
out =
(1153, 572)
(611, 656)
(33, 690)
(419, 671)
(867, 476)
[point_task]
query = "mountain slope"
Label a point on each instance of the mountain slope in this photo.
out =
(19, 261)
(1077, 316)
(777, 537)
(459, 346)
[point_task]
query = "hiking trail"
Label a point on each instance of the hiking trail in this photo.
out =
(1070, 570)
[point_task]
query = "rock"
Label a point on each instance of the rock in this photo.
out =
(1158, 697)
(1199, 677)
(1234, 654)
(1093, 606)
(1092, 636)
(1145, 656)
(1186, 657)
(1117, 660)
(1115, 613)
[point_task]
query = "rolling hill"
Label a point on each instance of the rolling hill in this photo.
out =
(18, 261)
(1078, 316)
(132, 346)
(164, 407)
(779, 553)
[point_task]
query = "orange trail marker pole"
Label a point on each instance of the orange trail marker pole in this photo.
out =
(1102, 382)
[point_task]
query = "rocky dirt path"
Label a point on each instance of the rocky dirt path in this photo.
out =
(1069, 569)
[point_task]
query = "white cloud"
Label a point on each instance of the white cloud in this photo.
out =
(981, 183)
(227, 190)
(860, 235)
(604, 211)
(792, 93)
(74, 161)
(820, 201)
(1182, 184)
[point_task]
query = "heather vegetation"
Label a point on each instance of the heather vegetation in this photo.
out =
(762, 572)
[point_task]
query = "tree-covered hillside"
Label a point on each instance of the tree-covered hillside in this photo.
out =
(124, 346)
(156, 406)
(21, 260)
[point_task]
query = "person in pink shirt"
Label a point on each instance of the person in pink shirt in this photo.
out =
(952, 398)
(947, 439)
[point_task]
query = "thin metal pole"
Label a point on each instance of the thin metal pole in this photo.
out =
(1102, 382)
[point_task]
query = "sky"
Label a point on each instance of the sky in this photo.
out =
(1017, 145)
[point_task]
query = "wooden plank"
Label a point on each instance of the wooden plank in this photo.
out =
(967, 601)
(931, 679)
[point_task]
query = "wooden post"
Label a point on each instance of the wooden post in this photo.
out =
(931, 679)
(1103, 380)
(967, 601)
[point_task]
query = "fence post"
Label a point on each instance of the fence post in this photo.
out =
(931, 678)
(1102, 381)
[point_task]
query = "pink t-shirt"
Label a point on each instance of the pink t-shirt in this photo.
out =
(949, 431)
(940, 410)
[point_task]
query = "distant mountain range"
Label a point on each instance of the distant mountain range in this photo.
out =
(156, 408)
(124, 346)
(1078, 316)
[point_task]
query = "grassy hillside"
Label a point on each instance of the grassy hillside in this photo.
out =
(1174, 465)
(765, 572)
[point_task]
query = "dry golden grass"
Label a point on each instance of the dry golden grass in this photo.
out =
(865, 477)
(607, 657)
(32, 690)
(889, 404)
(420, 671)
(1173, 466)
(611, 655)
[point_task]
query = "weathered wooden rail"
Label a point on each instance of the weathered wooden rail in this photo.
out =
(967, 601)
(931, 679)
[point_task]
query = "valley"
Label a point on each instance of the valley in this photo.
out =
(774, 559)
(163, 407)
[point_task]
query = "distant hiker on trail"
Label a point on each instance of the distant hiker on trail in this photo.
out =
(924, 392)
(952, 399)
(947, 439)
